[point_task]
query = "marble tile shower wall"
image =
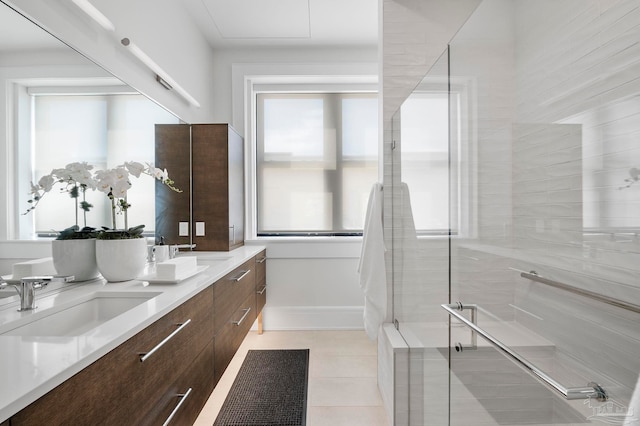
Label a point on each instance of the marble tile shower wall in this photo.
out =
(577, 74)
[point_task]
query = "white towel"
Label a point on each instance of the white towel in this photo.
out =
(373, 275)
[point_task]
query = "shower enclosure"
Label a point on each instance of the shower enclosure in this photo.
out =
(515, 193)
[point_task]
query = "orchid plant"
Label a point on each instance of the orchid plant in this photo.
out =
(116, 182)
(77, 178)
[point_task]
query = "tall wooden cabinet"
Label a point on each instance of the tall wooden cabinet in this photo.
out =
(210, 214)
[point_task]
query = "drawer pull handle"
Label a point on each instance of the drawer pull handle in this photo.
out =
(145, 355)
(241, 276)
(262, 290)
(261, 260)
(183, 397)
(246, 312)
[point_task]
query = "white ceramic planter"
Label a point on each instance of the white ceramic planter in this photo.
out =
(75, 257)
(121, 260)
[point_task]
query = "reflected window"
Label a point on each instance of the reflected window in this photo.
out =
(608, 138)
(424, 130)
(317, 158)
(103, 130)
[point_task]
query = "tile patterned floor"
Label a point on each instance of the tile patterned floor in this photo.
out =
(343, 388)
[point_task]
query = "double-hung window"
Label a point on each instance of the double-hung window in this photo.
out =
(317, 157)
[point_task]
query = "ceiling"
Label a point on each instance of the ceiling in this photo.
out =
(302, 23)
(19, 34)
(238, 23)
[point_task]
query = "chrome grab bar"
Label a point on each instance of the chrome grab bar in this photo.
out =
(241, 320)
(145, 355)
(591, 390)
(183, 397)
(241, 276)
(533, 275)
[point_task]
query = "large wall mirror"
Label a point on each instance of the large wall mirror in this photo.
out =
(61, 108)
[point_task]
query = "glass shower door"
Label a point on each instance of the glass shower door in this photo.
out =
(544, 262)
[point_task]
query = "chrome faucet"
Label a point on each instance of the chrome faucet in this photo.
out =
(28, 286)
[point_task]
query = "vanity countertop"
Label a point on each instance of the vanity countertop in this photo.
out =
(31, 366)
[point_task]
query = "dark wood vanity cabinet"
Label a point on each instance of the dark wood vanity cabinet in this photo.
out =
(149, 378)
(119, 388)
(212, 209)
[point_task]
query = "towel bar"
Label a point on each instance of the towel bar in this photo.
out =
(533, 275)
(591, 390)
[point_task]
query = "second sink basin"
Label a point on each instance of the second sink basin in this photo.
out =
(81, 317)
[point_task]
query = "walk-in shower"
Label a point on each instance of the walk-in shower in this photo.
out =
(516, 291)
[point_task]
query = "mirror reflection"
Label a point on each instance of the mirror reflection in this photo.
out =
(65, 109)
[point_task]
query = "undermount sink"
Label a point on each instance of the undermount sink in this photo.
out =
(81, 317)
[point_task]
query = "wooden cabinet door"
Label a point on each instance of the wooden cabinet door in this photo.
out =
(232, 333)
(173, 152)
(218, 186)
(183, 400)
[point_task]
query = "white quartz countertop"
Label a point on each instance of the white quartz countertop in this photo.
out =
(31, 366)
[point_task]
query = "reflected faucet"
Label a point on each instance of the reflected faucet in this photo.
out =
(174, 249)
(28, 286)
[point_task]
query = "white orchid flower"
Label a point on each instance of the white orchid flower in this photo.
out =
(134, 168)
(46, 182)
(119, 190)
(105, 180)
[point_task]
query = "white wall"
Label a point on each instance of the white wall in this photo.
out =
(313, 284)
(232, 67)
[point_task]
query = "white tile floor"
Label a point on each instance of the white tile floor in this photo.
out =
(343, 388)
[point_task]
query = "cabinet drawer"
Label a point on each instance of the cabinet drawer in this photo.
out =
(232, 333)
(261, 294)
(176, 339)
(261, 265)
(104, 391)
(231, 290)
(183, 400)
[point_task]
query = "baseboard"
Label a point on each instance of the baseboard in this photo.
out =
(313, 318)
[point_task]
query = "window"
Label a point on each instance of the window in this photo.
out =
(317, 157)
(425, 158)
(103, 130)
